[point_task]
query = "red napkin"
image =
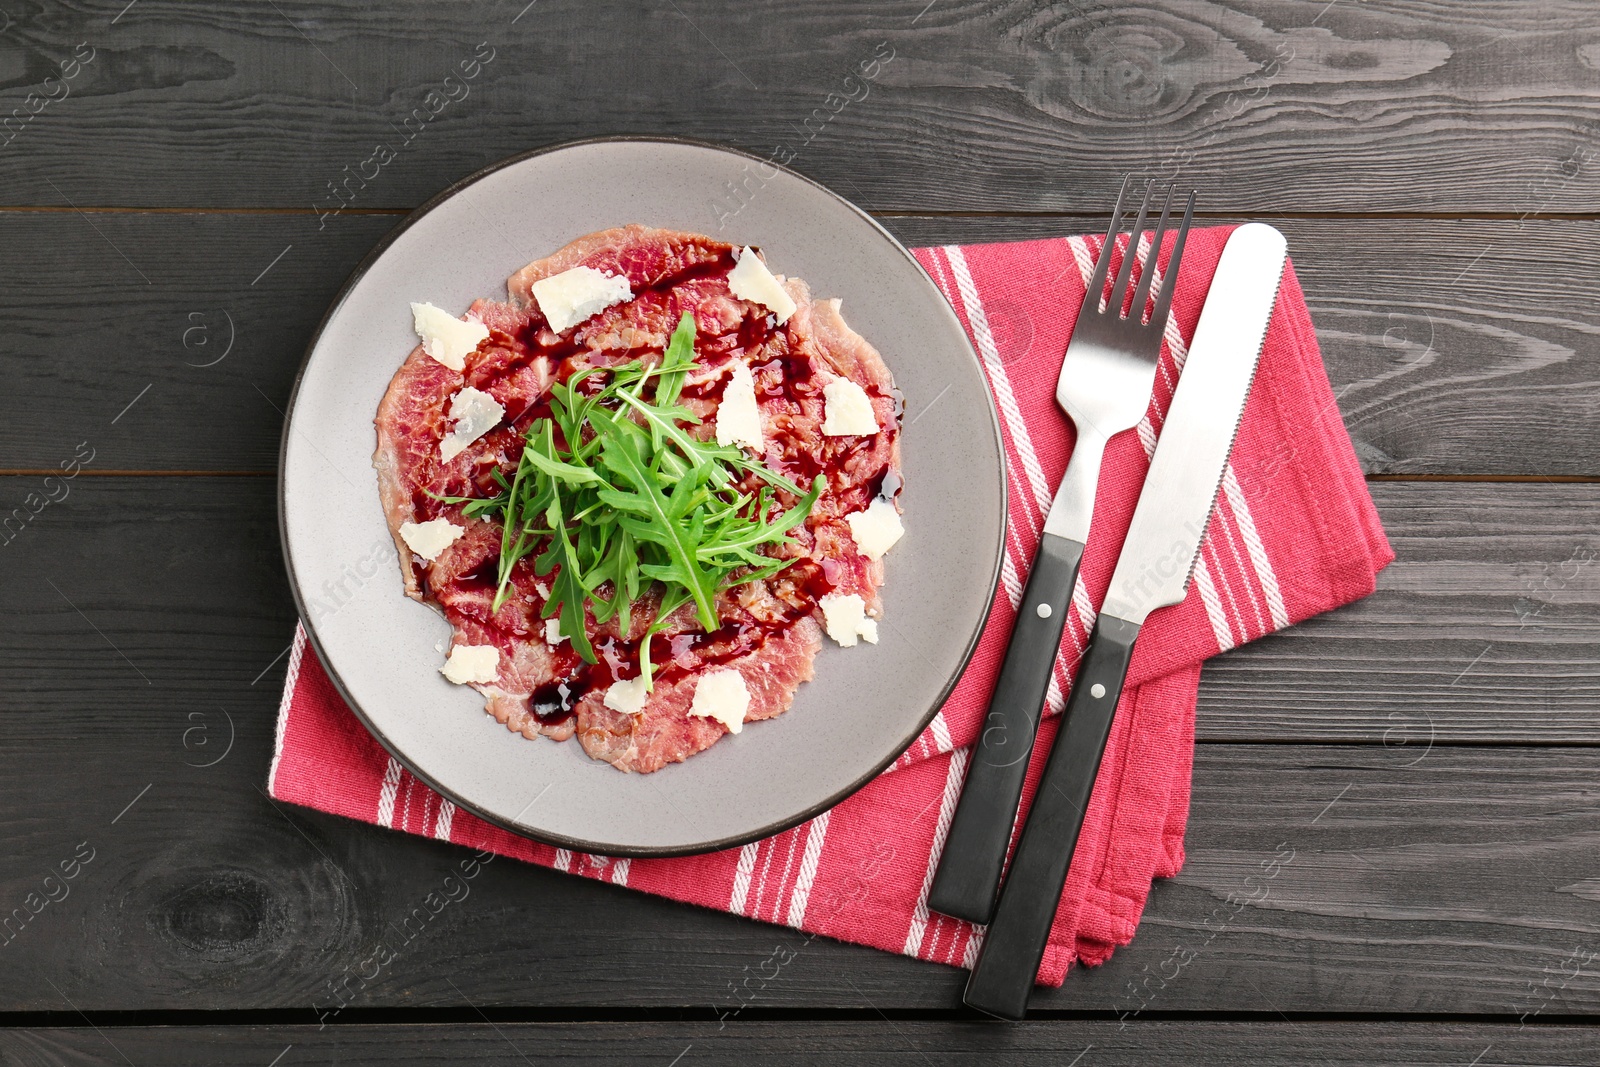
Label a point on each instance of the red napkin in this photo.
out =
(1294, 534)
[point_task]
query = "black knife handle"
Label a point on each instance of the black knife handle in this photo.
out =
(1015, 943)
(968, 879)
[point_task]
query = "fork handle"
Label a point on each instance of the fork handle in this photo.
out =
(968, 879)
(1014, 945)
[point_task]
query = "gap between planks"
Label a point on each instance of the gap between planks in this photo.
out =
(884, 213)
(692, 1013)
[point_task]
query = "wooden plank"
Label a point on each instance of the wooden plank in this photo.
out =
(142, 608)
(873, 1041)
(1489, 607)
(1455, 347)
(1406, 895)
(1484, 629)
(163, 341)
(1456, 105)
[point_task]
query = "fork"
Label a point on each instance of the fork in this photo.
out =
(1106, 379)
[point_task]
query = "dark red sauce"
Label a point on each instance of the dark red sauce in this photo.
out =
(486, 576)
(556, 702)
(511, 364)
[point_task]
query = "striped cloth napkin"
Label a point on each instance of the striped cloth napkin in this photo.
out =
(1294, 534)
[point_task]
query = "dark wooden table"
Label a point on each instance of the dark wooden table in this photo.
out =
(169, 239)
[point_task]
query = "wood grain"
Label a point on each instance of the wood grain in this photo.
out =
(1276, 105)
(1394, 820)
(1463, 883)
(1427, 876)
(1454, 347)
(868, 1041)
(1483, 629)
(1489, 607)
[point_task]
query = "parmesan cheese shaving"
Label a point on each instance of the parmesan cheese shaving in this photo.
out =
(628, 697)
(738, 417)
(447, 339)
(845, 618)
(876, 529)
(475, 413)
(428, 539)
(847, 410)
(574, 295)
(751, 280)
(472, 663)
(722, 695)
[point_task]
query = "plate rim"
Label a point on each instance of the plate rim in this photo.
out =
(560, 840)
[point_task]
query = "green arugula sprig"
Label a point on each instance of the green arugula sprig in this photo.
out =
(610, 489)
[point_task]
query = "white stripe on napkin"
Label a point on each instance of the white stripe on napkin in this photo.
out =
(391, 784)
(1001, 384)
(741, 877)
(291, 676)
(941, 829)
(816, 835)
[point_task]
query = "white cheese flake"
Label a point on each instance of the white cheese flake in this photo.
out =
(472, 663)
(573, 295)
(845, 618)
(876, 529)
(552, 632)
(628, 697)
(475, 413)
(751, 280)
(446, 338)
(847, 410)
(738, 417)
(428, 539)
(722, 695)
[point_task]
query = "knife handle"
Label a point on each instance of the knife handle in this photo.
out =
(1004, 972)
(968, 879)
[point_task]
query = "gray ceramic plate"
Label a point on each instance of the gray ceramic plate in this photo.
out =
(867, 704)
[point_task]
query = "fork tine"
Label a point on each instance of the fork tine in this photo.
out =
(1119, 288)
(1147, 272)
(1097, 284)
(1169, 281)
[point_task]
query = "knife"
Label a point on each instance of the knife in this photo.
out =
(1153, 571)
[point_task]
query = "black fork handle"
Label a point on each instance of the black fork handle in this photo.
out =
(968, 879)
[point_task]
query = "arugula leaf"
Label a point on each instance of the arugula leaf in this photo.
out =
(612, 491)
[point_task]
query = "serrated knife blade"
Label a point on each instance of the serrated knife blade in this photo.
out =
(1153, 570)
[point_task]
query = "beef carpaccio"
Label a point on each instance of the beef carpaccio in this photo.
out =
(771, 630)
